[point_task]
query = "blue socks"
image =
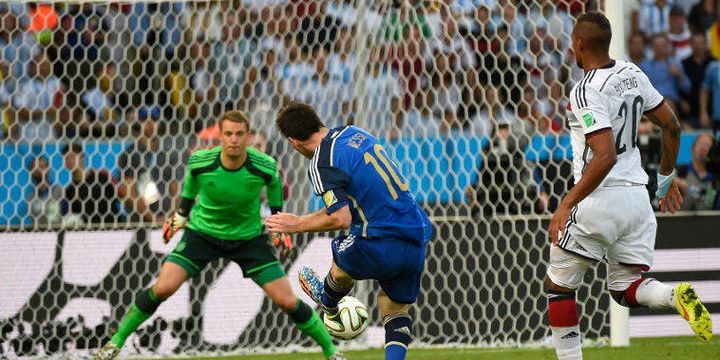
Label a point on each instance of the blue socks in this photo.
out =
(398, 336)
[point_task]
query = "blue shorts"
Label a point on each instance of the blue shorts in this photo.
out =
(396, 264)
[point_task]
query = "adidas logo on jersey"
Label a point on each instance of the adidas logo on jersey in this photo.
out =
(570, 335)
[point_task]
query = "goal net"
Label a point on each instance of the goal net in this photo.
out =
(102, 103)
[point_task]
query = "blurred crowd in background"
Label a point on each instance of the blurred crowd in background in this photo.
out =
(156, 76)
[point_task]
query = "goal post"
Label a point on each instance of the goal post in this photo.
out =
(617, 11)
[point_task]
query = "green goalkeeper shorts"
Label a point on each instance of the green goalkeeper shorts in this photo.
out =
(255, 256)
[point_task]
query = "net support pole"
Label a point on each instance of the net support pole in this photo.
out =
(616, 11)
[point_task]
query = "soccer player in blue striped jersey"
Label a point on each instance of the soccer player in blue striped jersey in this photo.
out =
(364, 192)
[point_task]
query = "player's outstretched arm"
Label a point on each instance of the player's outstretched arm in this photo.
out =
(318, 221)
(604, 157)
(668, 191)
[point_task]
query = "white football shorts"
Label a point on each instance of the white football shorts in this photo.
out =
(615, 224)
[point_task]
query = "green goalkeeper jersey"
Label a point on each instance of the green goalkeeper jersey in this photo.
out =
(227, 203)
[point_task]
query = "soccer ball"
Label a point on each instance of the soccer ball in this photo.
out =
(350, 321)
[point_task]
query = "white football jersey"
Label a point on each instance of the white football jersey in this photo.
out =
(614, 96)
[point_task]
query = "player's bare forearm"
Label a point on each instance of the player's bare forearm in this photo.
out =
(318, 221)
(665, 118)
(604, 158)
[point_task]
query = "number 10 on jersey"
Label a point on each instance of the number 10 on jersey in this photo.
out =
(377, 156)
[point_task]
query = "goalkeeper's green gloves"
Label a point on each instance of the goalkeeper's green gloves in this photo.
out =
(172, 225)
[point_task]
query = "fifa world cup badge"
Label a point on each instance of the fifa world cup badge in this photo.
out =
(329, 198)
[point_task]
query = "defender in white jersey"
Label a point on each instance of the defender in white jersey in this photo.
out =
(607, 215)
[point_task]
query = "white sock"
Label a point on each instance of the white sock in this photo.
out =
(567, 342)
(655, 295)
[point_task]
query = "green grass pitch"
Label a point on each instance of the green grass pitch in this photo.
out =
(685, 348)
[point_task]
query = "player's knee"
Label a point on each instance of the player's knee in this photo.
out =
(286, 303)
(550, 286)
(164, 289)
(565, 271)
(389, 307)
(620, 277)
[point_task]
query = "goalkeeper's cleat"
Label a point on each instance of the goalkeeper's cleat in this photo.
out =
(337, 356)
(690, 307)
(314, 287)
(108, 352)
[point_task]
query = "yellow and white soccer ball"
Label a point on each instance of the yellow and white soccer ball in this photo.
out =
(350, 321)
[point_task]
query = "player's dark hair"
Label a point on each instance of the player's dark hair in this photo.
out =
(298, 121)
(602, 34)
(235, 116)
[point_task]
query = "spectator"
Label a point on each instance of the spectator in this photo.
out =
(398, 25)
(665, 73)
(710, 111)
(100, 99)
(36, 103)
(297, 71)
(383, 97)
(714, 35)
(453, 45)
(44, 200)
(636, 48)
(555, 20)
(694, 66)
(90, 197)
(492, 111)
(445, 84)
(540, 61)
(552, 174)
(419, 120)
(84, 30)
(678, 34)
(481, 31)
(503, 185)
(262, 94)
(654, 18)
(150, 169)
(18, 48)
(502, 68)
(702, 16)
(327, 96)
(341, 63)
(697, 183)
(408, 61)
(515, 25)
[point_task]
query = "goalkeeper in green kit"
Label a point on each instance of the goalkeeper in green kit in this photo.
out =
(225, 223)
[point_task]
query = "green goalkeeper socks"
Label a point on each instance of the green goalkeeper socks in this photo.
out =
(128, 325)
(314, 328)
(145, 305)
